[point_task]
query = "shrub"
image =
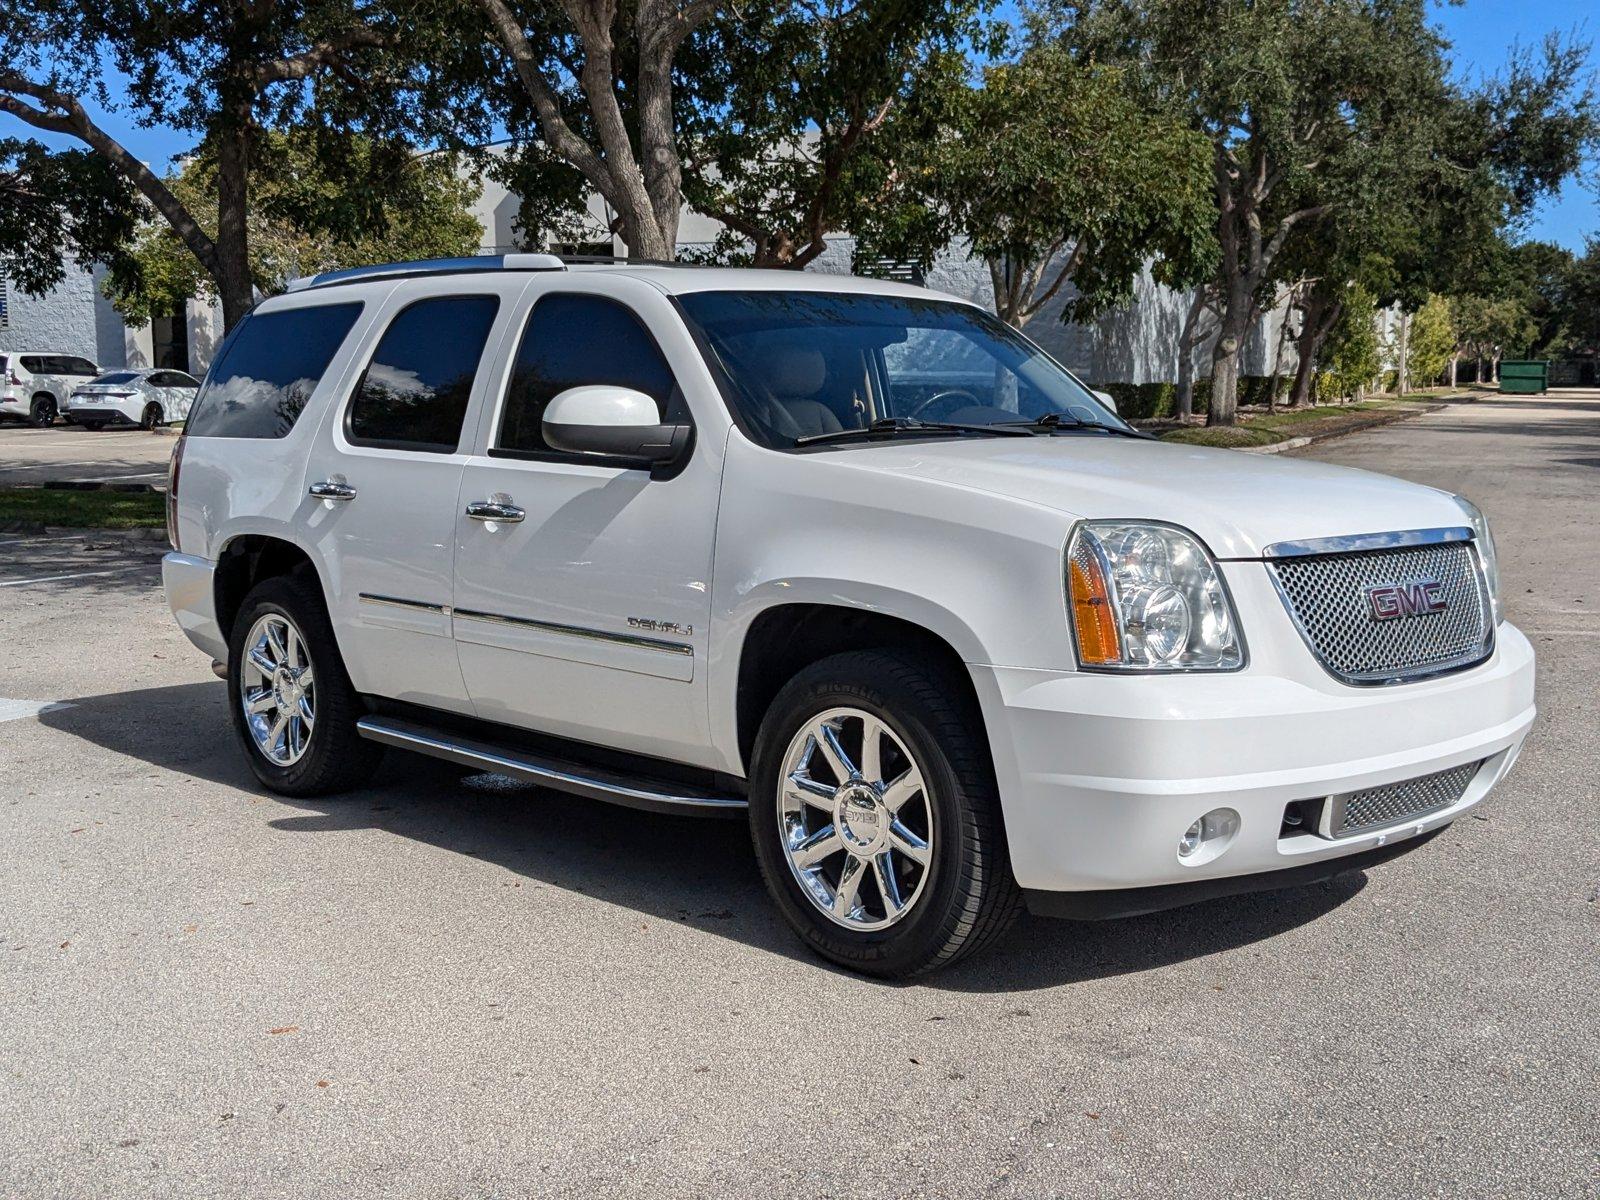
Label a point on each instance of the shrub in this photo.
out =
(1142, 401)
(1231, 436)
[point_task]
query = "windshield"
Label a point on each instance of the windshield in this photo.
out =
(804, 364)
(116, 377)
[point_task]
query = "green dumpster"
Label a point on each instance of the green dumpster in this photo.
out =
(1526, 377)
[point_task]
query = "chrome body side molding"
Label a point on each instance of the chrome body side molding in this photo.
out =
(579, 631)
(578, 779)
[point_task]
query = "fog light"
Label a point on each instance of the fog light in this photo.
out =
(1209, 836)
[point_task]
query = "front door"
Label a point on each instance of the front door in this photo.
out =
(384, 480)
(585, 615)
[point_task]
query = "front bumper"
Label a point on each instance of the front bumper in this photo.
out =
(1100, 775)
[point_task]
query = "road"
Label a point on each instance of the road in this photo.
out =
(126, 456)
(433, 989)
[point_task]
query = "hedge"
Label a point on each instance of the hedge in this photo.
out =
(1150, 401)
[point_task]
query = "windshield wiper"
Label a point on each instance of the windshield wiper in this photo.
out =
(889, 426)
(1052, 421)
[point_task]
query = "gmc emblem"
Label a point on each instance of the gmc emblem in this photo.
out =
(1415, 598)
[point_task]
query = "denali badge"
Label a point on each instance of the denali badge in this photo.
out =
(661, 626)
(1415, 598)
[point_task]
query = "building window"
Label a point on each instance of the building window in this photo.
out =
(900, 270)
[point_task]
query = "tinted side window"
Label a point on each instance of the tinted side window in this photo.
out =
(413, 394)
(574, 340)
(81, 366)
(32, 363)
(268, 368)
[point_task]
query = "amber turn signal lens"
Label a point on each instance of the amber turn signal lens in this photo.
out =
(1091, 614)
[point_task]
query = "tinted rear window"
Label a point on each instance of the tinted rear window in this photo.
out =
(268, 369)
(413, 395)
(117, 377)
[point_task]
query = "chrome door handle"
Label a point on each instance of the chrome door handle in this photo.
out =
(330, 489)
(495, 510)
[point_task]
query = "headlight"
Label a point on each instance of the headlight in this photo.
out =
(1485, 540)
(1148, 597)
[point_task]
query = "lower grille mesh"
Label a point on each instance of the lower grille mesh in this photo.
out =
(1373, 807)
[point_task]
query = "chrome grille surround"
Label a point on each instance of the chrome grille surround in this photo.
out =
(1396, 803)
(1324, 586)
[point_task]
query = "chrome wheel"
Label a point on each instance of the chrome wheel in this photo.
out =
(855, 819)
(278, 689)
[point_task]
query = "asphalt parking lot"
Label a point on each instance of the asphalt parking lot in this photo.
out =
(437, 988)
(30, 456)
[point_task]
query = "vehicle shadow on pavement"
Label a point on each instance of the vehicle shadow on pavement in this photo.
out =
(695, 871)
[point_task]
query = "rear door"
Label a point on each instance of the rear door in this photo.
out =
(387, 464)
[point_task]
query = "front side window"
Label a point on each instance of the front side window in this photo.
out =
(413, 394)
(80, 366)
(268, 369)
(804, 364)
(573, 340)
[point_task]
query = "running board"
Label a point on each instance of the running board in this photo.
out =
(563, 775)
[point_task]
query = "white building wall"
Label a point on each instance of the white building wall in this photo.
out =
(72, 318)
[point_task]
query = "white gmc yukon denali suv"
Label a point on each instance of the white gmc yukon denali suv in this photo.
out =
(850, 558)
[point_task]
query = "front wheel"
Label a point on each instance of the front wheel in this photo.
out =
(875, 816)
(294, 707)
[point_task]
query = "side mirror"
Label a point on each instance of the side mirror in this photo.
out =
(1107, 399)
(615, 421)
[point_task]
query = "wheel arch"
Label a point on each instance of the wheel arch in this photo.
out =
(782, 639)
(244, 561)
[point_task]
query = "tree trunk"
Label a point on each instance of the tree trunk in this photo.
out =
(1454, 359)
(1402, 372)
(1186, 345)
(234, 285)
(1224, 406)
(1320, 316)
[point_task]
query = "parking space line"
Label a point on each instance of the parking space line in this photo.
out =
(88, 462)
(44, 541)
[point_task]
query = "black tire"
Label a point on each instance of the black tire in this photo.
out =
(151, 417)
(970, 896)
(42, 413)
(337, 758)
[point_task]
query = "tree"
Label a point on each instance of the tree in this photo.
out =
(598, 76)
(1055, 172)
(300, 221)
(1432, 341)
(1319, 109)
(1486, 327)
(1353, 360)
(56, 205)
(799, 114)
(217, 69)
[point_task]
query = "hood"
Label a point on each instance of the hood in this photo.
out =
(1237, 503)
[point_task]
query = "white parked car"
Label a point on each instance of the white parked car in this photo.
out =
(145, 397)
(850, 557)
(35, 387)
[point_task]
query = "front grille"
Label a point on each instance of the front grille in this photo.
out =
(1328, 595)
(1372, 808)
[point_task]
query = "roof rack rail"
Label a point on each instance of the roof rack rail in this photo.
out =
(431, 266)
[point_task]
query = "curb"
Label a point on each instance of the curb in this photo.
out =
(95, 485)
(1313, 438)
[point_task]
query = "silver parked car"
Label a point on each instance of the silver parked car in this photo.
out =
(146, 398)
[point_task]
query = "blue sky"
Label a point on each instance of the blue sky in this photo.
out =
(1482, 32)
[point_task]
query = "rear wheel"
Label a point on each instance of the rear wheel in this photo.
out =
(293, 705)
(875, 817)
(42, 413)
(151, 417)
